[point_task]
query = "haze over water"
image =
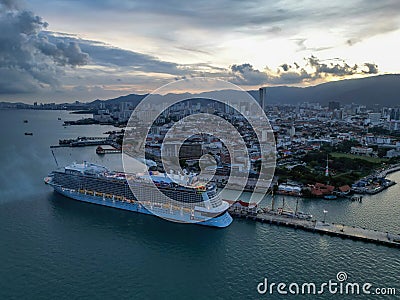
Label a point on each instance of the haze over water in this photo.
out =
(56, 248)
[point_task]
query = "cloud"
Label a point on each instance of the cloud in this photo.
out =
(371, 68)
(336, 69)
(109, 56)
(291, 76)
(9, 4)
(285, 67)
(385, 18)
(13, 81)
(290, 19)
(115, 59)
(301, 44)
(246, 74)
(62, 53)
(33, 58)
(313, 69)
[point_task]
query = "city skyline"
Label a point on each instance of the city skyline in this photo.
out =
(65, 53)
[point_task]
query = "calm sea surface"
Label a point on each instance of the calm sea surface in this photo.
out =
(55, 248)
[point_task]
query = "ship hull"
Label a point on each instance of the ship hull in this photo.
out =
(221, 221)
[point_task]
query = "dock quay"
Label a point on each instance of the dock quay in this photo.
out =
(376, 182)
(87, 141)
(393, 168)
(101, 151)
(374, 189)
(321, 227)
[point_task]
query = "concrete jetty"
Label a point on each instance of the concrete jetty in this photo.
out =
(101, 151)
(87, 141)
(393, 168)
(333, 229)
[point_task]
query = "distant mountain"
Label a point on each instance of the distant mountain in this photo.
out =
(131, 98)
(382, 90)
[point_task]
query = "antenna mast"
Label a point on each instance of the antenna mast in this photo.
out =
(55, 159)
(327, 167)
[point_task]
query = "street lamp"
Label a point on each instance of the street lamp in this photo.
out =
(325, 212)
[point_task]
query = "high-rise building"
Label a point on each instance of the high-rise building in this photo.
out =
(395, 113)
(375, 118)
(292, 131)
(333, 105)
(262, 97)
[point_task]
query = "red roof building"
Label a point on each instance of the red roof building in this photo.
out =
(345, 188)
(320, 189)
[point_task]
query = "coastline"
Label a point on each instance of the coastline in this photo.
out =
(371, 190)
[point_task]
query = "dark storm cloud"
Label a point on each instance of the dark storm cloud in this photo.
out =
(63, 53)
(13, 81)
(9, 4)
(28, 58)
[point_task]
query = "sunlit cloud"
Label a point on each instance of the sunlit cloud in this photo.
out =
(98, 49)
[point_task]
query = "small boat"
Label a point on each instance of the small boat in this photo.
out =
(356, 198)
(59, 118)
(25, 121)
(302, 215)
(330, 197)
(100, 150)
(28, 133)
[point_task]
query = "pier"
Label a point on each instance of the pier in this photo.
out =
(321, 227)
(379, 182)
(392, 169)
(88, 141)
(101, 151)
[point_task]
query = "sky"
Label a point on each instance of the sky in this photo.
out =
(67, 50)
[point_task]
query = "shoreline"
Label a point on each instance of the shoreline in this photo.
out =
(360, 191)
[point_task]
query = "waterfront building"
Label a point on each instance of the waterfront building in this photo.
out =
(362, 151)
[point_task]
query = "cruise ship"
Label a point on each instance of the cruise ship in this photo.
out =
(180, 199)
